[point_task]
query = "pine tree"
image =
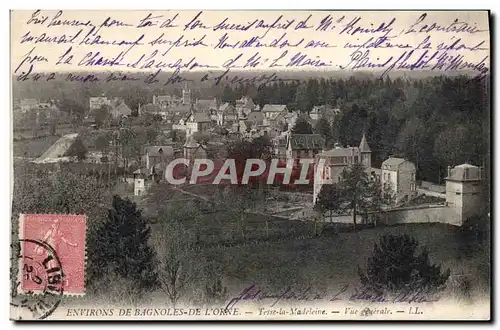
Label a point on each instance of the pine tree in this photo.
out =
(397, 264)
(302, 126)
(121, 246)
(323, 128)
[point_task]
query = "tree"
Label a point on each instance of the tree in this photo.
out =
(397, 264)
(175, 264)
(102, 115)
(77, 150)
(329, 199)
(325, 130)
(53, 125)
(102, 143)
(302, 126)
(122, 246)
(356, 192)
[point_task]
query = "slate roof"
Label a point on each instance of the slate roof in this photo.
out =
(464, 172)
(273, 108)
(306, 141)
(341, 152)
(363, 145)
(392, 163)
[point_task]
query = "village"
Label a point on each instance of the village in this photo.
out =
(136, 150)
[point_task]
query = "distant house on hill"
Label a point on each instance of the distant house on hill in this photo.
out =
(244, 106)
(324, 111)
(120, 109)
(271, 111)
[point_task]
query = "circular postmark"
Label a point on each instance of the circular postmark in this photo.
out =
(39, 286)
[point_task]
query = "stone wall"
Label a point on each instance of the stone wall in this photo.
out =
(421, 214)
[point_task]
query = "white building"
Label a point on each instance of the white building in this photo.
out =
(463, 187)
(399, 177)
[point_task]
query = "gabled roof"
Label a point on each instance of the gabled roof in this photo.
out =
(256, 117)
(341, 152)
(306, 141)
(273, 108)
(226, 107)
(392, 163)
(122, 110)
(245, 101)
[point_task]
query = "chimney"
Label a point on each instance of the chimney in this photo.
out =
(480, 173)
(154, 99)
(449, 170)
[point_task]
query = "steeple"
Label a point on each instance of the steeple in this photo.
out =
(186, 94)
(363, 145)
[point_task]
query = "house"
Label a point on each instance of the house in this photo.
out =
(151, 108)
(193, 150)
(284, 121)
(206, 105)
(119, 109)
(226, 114)
(252, 125)
(157, 159)
(331, 163)
(97, 102)
(324, 111)
(399, 179)
(166, 101)
(28, 104)
(244, 106)
(304, 146)
(271, 111)
(197, 122)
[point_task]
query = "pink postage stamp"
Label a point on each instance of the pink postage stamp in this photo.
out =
(56, 236)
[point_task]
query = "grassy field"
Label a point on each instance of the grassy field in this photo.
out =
(32, 148)
(333, 261)
(326, 264)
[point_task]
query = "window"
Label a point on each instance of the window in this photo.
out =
(458, 193)
(388, 176)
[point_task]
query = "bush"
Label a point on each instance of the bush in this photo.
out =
(396, 265)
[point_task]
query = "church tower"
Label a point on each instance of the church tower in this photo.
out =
(186, 94)
(366, 153)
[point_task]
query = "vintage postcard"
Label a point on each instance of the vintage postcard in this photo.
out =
(250, 165)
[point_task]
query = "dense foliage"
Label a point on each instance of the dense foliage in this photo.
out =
(398, 264)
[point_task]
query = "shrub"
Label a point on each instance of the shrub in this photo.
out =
(396, 264)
